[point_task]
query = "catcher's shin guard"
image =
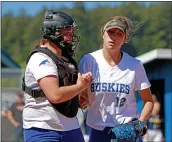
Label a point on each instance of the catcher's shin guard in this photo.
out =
(129, 131)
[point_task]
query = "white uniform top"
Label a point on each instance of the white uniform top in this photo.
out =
(112, 93)
(38, 112)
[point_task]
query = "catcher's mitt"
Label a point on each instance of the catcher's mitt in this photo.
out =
(129, 131)
(84, 100)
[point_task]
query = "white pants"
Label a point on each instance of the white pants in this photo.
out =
(153, 136)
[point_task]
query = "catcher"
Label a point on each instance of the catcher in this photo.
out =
(51, 83)
(112, 110)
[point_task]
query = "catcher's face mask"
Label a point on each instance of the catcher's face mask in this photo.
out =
(61, 29)
(67, 34)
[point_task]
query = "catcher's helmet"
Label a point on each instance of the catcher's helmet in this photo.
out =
(51, 26)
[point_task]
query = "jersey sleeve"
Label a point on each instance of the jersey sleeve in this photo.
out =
(41, 66)
(84, 64)
(141, 80)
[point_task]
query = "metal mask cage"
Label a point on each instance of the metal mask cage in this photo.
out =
(75, 37)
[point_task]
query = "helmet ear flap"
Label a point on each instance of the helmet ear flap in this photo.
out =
(45, 32)
(48, 31)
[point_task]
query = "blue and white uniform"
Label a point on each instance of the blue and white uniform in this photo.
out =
(112, 92)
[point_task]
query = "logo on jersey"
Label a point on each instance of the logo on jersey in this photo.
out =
(110, 87)
(44, 62)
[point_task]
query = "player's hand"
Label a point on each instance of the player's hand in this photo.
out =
(87, 76)
(17, 124)
(84, 80)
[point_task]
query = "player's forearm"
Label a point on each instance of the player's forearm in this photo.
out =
(11, 119)
(147, 110)
(66, 93)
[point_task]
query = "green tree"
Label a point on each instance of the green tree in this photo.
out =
(21, 33)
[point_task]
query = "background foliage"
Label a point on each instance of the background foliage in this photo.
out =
(21, 33)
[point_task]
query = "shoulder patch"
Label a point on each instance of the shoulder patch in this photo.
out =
(44, 62)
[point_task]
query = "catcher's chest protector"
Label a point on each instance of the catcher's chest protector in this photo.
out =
(67, 71)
